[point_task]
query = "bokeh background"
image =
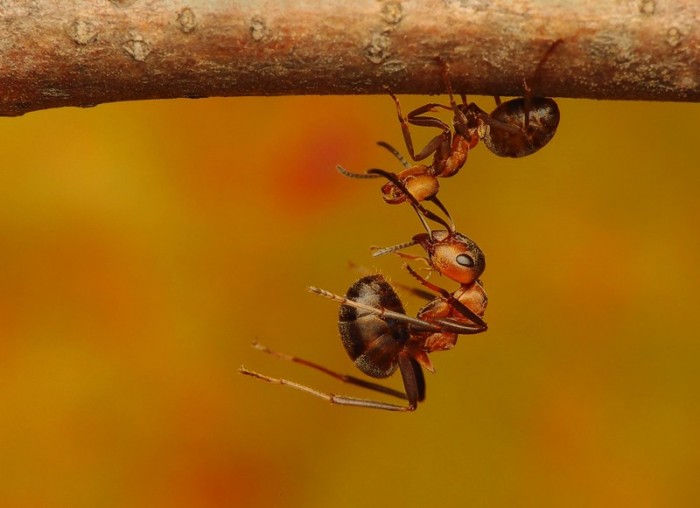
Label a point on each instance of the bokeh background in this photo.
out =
(144, 246)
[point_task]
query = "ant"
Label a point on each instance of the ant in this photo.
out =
(380, 337)
(516, 128)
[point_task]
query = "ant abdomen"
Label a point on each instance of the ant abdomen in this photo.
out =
(536, 121)
(373, 342)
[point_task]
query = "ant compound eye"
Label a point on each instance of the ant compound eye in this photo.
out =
(465, 260)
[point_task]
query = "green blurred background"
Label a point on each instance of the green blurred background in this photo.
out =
(143, 246)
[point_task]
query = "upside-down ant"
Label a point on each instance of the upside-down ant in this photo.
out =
(378, 335)
(516, 128)
(413, 184)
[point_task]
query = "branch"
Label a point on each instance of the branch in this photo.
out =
(85, 52)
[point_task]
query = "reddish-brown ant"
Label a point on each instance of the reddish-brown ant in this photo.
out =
(378, 335)
(516, 128)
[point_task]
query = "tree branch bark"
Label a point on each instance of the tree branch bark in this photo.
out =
(85, 52)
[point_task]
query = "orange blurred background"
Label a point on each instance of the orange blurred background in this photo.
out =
(143, 246)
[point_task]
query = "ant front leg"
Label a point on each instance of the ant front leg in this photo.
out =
(440, 143)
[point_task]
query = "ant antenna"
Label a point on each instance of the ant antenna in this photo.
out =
(395, 153)
(350, 174)
(380, 251)
(383, 144)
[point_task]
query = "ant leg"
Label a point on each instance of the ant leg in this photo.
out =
(527, 105)
(492, 122)
(439, 204)
(383, 313)
(339, 400)
(448, 85)
(437, 325)
(459, 306)
(420, 293)
(413, 380)
(414, 384)
(345, 378)
(459, 116)
(413, 117)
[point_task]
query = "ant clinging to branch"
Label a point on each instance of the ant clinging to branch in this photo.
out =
(516, 128)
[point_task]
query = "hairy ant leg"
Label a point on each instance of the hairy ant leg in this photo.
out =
(380, 339)
(408, 371)
(345, 378)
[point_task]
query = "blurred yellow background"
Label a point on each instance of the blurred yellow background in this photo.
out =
(143, 246)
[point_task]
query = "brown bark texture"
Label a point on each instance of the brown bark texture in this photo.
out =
(84, 52)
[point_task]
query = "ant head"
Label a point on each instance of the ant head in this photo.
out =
(453, 255)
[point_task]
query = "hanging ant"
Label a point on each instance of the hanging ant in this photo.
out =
(516, 128)
(378, 335)
(380, 338)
